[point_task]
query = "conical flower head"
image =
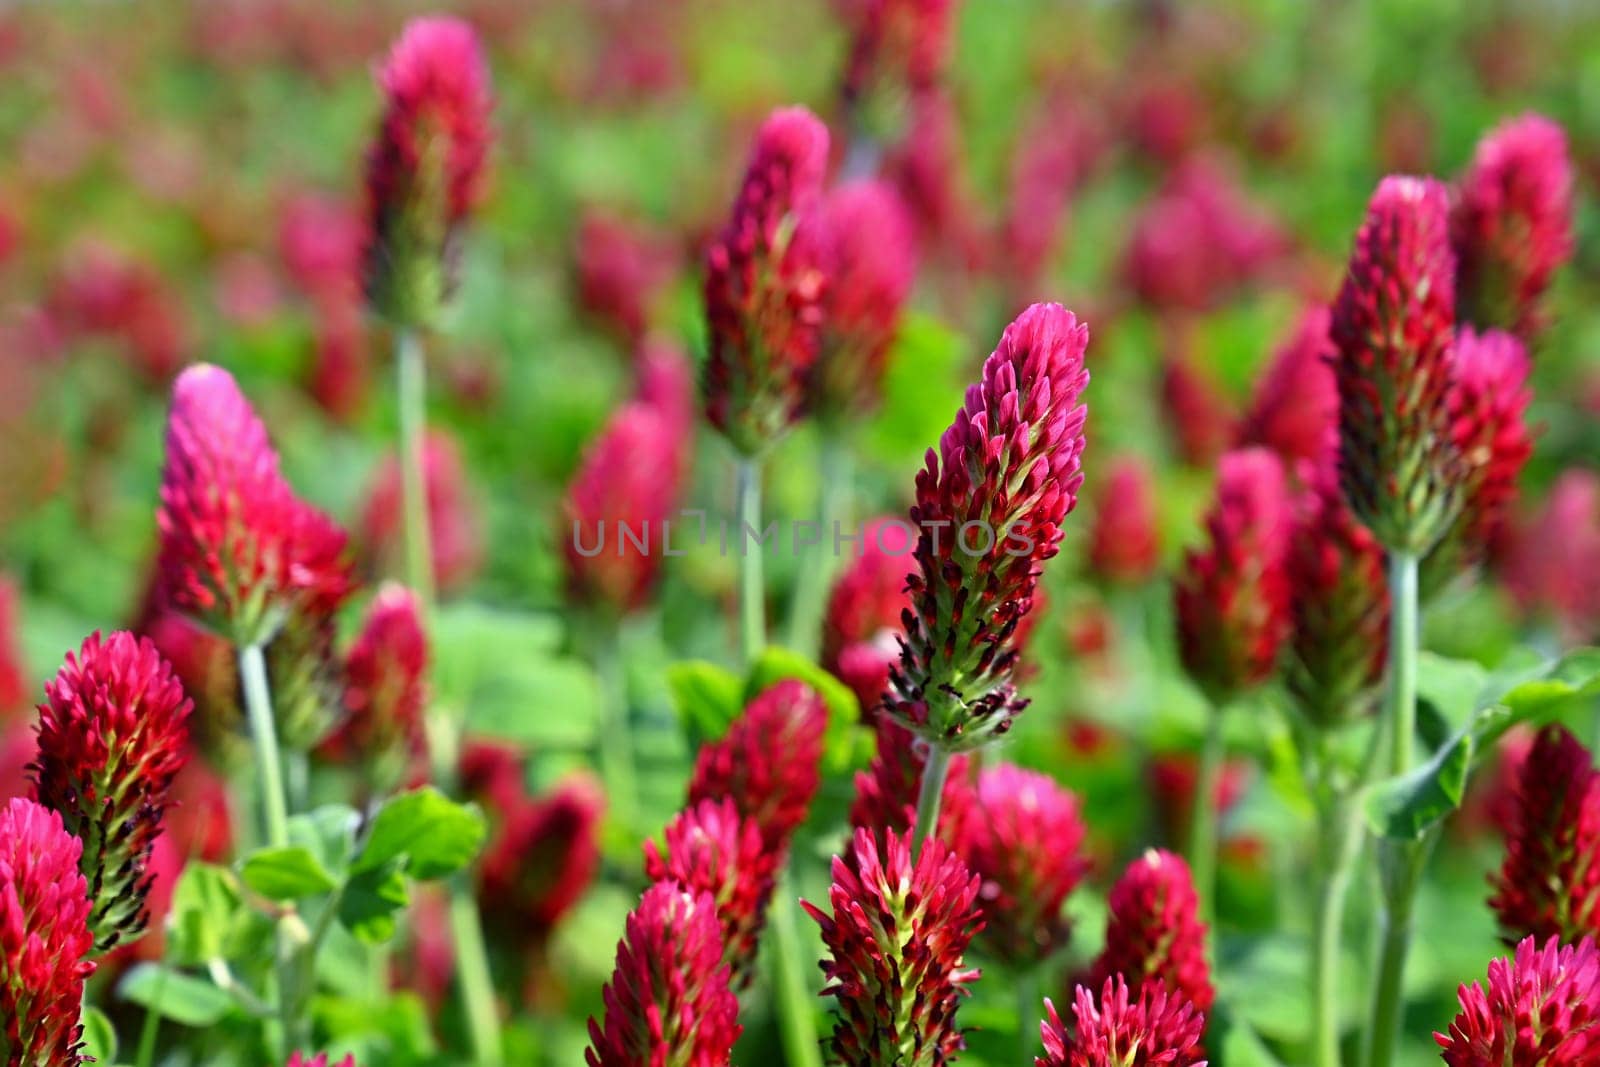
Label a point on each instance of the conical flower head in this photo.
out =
(1555, 562)
(426, 169)
(1549, 884)
(385, 688)
(668, 1001)
(1338, 603)
(1295, 409)
(865, 248)
(1124, 539)
(542, 859)
(13, 687)
(238, 550)
(1541, 1008)
(1154, 934)
(45, 940)
(895, 940)
(1154, 1028)
(1511, 224)
(764, 288)
(711, 848)
(769, 762)
(894, 43)
(1022, 835)
(861, 627)
(1232, 596)
(1392, 327)
(990, 504)
(112, 736)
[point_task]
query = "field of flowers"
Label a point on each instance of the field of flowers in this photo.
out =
(692, 533)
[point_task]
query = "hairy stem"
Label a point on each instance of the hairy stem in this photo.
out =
(411, 375)
(752, 621)
(1203, 825)
(929, 795)
(1402, 659)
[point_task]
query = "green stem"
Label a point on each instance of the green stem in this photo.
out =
(1203, 825)
(929, 795)
(1402, 659)
(752, 622)
(812, 579)
(1338, 834)
(1388, 999)
(1029, 1007)
(616, 730)
(411, 373)
(797, 1021)
(152, 1022)
(472, 970)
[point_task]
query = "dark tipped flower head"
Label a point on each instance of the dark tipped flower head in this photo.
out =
(1154, 934)
(1392, 327)
(1511, 223)
(764, 289)
(861, 627)
(385, 688)
(1295, 409)
(1125, 537)
(668, 1001)
(1152, 1029)
(45, 940)
(1549, 884)
(989, 509)
(112, 737)
(238, 550)
(1232, 597)
(895, 940)
(1021, 834)
(1539, 1009)
(711, 848)
(542, 859)
(904, 42)
(426, 170)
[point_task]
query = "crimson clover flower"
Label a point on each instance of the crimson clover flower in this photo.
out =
(385, 687)
(1125, 536)
(455, 527)
(1539, 1008)
(1295, 408)
(861, 625)
(1154, 934)
(1154, 1028)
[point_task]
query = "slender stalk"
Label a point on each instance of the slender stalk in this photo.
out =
(752, 620)
(812, 579)
(616, 730)
(1402, 659)
(797, 1021)
(1203, 827)
(152, 1022)
(1028, 1005)
(929, 794)
(1339, 835)
(472, 962)
(1388, 999)
(411, 374)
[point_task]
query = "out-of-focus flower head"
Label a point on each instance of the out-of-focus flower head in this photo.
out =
(340, 375)
(454, 523)
(541, 860)
(1555, 562)
(899, 42)
(1232, 597)
(490, 772)
(319, 242)
(896, 940)
(112, 737)
(711, 848)
(1199, 415)
(861, 625)
(45, 940)
(620, 271)
(238, 549)
(1125, 536)
(764, 289)
(865, 248)
(1338, 603)
(1022, 835)
(1392, 327)
(769, 762)
(668, 1000)
(320, 1060)
(1295, 409)
(616, 507)
(1538, 1009)
(1058, 149)
(926, 167)
(1173, 779)
(1154, 935)
(103, 293)
(664, 380)
(990, 503)
(13, 673)
(209, 672)
(385, 689)
(426, 170)
(1153, 1029)
(1511, 224)
(1549, 884)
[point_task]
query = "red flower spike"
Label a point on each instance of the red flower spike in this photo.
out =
(238, 549)
(454, 523)
(13, 673)
(1549, 884)
(385, 688)
(764, 289)
(1153, 934)
(927, 168)
(617, 507)
(861, 626)
(621, 269)
(1295, 409)
(1124, 538)
(711, 848)
(320, 1060)
(894, 42)
(1555, 564)
(989, 508)
(1022, 835)
(1156, 1029)
(864, 245)
(886, 792)
(1539, 1008)
(1173, 779)
(1199, 415)
(1232, 597)
(426, 171)
(45, 940)
(112, 737)
(1511, 224)
(1392, 327)
(896, 939)
(1338, 603)
(769, 761)
(542, 860)
(668, 1001)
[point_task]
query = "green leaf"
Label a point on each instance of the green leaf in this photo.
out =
(708, 698)
(329, 833)
(776, 664)
(369, 902)
(206, 906)
(432, 834)
(1404, 808)
(1452, 686)
(173, 995)
(289, 873)
(99, 1036)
